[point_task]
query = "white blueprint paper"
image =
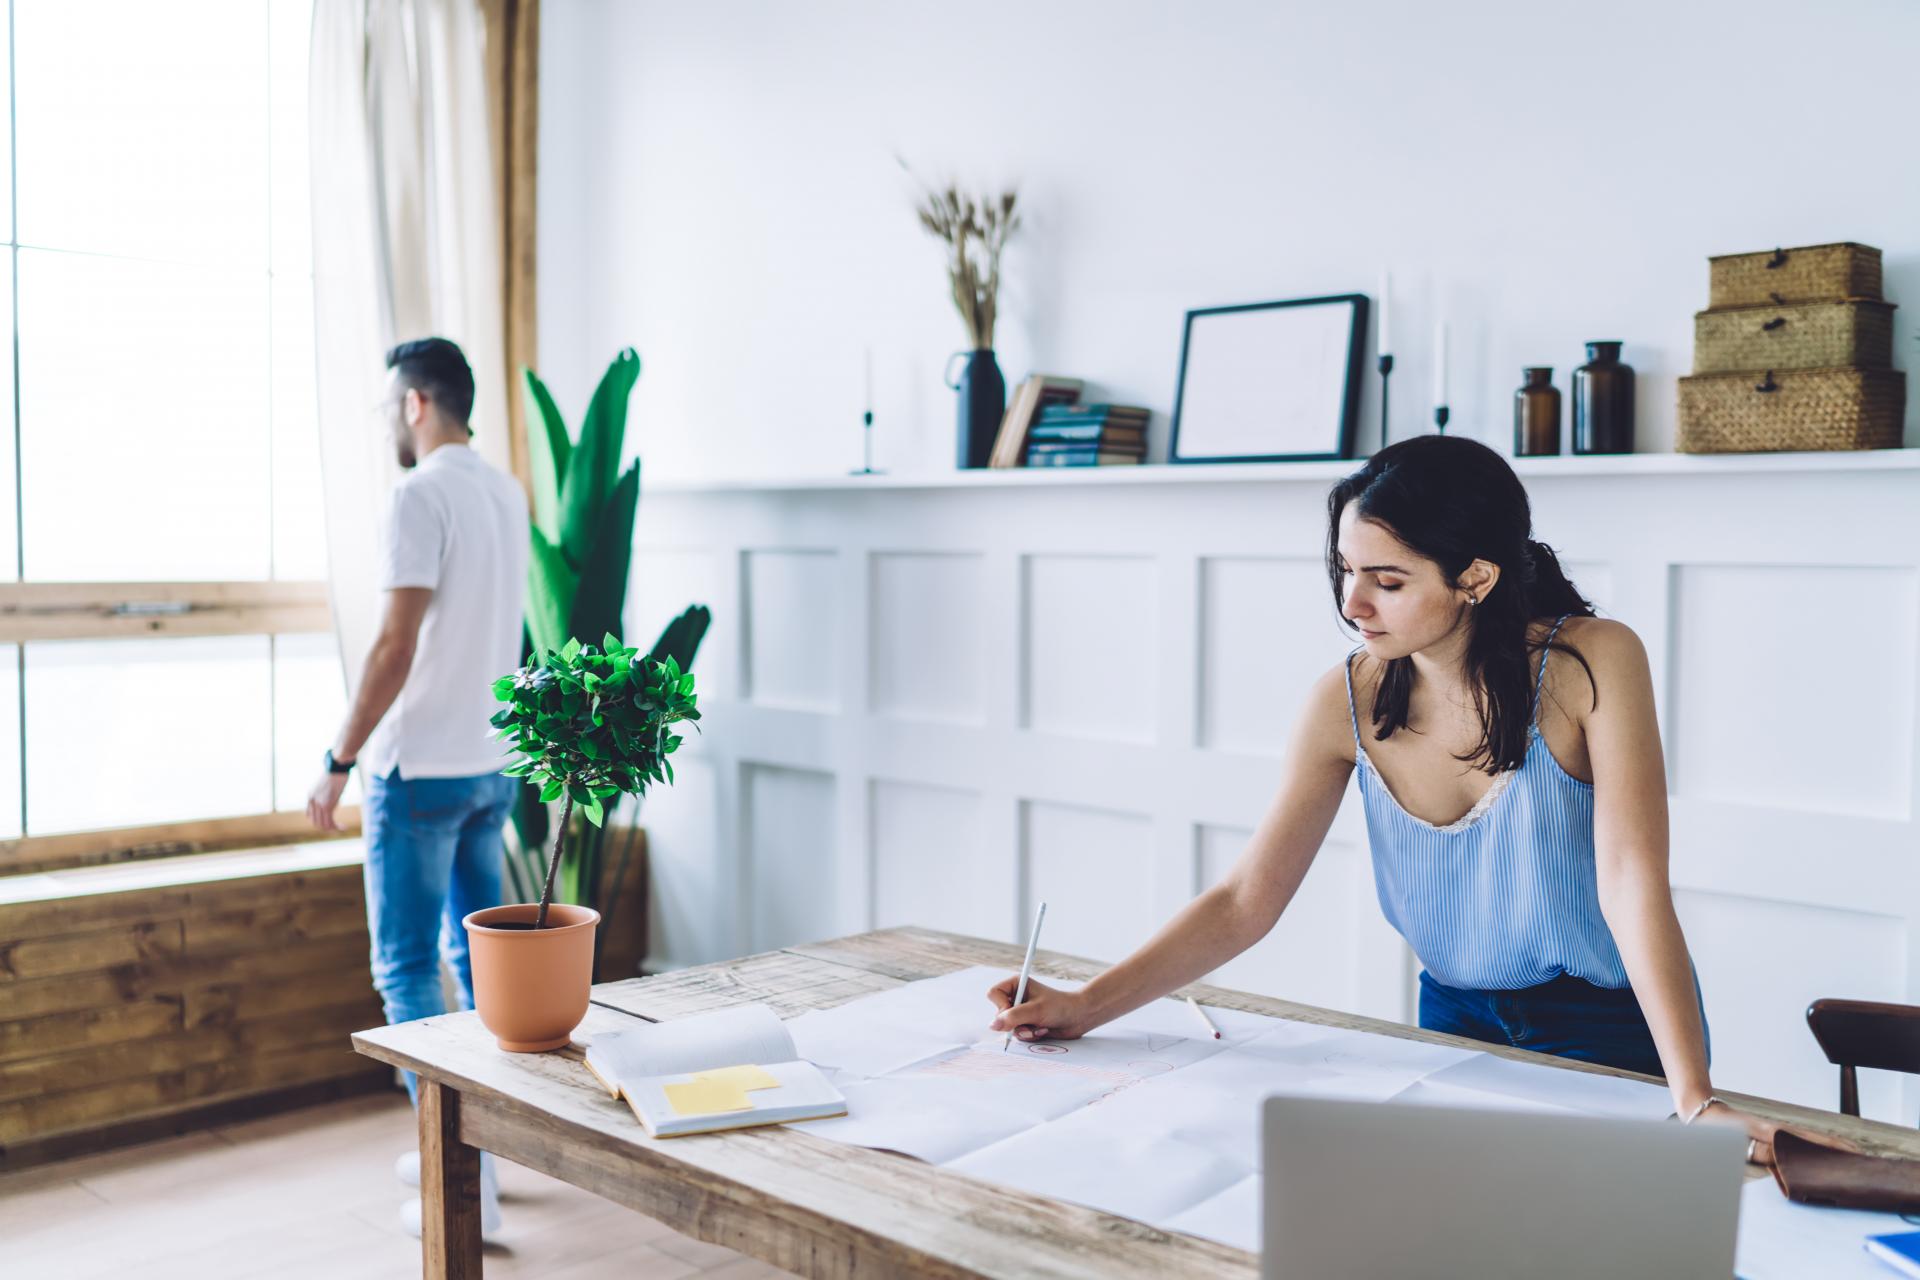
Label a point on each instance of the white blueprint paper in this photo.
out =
(1431, 1093)
(1231, 1217)
(1581, 1091)
(847, 1045)
(1335, 1062)
(1147, 1117)
(940, 1120)
(1143, 1175)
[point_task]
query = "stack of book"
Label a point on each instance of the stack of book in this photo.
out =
(1036, 393)
(1087, 435)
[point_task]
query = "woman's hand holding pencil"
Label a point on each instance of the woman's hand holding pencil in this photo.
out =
(1046, 1014)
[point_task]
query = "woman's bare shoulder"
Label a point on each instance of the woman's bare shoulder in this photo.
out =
(1327, 717)
(1613, 653)
(1605, 638)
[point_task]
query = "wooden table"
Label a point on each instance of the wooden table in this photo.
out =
(815, 1207)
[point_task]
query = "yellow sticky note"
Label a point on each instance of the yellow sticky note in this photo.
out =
(699, 1097)
(741, 1077)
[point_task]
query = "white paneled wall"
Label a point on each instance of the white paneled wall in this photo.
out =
(1832, 647)
(937, 702)
(788, 817)
(792, 615)
(1094, 867)
(926, 659)
(932, 868)
(1087, 646)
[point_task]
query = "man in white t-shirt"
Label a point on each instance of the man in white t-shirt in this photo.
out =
(454, 572)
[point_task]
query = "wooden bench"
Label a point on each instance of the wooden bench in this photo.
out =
(154, 997)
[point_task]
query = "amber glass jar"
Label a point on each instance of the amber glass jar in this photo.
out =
(1603, 402)
(1536, 415)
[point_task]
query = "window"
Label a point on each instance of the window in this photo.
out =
(167, 649)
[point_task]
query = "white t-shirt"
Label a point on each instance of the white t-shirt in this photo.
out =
(458, 526)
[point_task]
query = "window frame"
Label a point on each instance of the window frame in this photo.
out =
(37, 611)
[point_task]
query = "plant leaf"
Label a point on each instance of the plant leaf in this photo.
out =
(603, 574)
(548, 452)
(594, 467)
(681, 638)
(551, 587)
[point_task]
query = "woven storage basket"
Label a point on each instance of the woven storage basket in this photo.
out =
(1797, 409)
(1805, 335)
(1817, 273)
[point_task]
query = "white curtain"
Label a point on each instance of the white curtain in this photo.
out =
(406, 243)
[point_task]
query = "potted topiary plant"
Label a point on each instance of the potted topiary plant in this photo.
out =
(590, 725)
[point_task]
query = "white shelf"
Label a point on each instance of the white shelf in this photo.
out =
(1319, 473)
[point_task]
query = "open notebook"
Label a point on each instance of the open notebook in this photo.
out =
(724, 1070)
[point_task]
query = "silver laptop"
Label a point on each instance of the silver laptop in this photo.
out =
(1379, 1190)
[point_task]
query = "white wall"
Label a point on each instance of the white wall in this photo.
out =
(718, 189)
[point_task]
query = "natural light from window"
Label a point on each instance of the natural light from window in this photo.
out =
(158, 265)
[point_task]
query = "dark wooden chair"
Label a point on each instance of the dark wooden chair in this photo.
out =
(1863, 1033)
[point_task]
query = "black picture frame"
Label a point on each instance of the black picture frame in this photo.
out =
(1341, 429)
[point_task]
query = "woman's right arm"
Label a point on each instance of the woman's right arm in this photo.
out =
(1233, 914)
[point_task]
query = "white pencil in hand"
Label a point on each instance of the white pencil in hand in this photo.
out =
(1205, 1021)
(1026, 968)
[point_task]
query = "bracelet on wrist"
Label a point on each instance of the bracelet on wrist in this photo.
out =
(1706, 1102)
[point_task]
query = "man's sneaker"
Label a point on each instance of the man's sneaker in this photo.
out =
(407, 1168)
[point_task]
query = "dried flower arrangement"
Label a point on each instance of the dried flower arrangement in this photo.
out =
(975, 232)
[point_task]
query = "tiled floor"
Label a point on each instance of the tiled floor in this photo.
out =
(311, 1194)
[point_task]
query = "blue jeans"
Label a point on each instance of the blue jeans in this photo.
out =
(433, 855)
(1568, 1017)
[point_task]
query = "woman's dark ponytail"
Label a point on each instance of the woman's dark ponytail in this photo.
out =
(1552, 591)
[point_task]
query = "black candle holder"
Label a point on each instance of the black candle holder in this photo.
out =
(1386, 375)
(866, 447)
(1440, 416)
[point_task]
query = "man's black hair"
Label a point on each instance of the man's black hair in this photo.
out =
(436, 368)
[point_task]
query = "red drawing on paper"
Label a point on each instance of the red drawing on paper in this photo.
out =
(1150, 1068)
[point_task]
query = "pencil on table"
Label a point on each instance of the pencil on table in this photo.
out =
(1205, 1021)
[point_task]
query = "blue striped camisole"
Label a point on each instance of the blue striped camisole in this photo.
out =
(1507, 896)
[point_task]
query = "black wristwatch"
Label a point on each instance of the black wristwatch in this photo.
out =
(337, 766)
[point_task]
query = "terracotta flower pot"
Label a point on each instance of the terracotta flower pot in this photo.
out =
(531, 985)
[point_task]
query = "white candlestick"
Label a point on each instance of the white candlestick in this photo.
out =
(868, 406)
(1440, 363)
(1386, 313)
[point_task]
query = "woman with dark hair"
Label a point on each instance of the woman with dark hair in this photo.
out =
(1516, 806)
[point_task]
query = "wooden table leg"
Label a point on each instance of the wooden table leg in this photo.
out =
(449, 1188)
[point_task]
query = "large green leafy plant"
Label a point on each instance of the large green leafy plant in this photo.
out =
(584, 506)
(590, 725)
(583, 510)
